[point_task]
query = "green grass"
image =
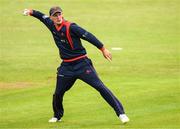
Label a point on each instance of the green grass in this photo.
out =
(144, 75)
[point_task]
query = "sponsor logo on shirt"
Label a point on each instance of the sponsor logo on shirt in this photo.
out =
(44, 16)
(88, 71)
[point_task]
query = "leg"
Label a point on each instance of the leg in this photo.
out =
(62, 85)
(90, 77)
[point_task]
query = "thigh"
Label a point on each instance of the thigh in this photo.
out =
(63, 84)
(65, 80)
(90, 76)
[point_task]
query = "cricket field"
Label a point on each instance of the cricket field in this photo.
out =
(143, 37)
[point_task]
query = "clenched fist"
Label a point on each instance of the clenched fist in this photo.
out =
(27, 12)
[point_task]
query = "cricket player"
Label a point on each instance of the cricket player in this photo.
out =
(75, 63)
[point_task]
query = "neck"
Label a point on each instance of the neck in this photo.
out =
(59, 24)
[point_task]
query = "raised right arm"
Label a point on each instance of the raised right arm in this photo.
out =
(39, 15)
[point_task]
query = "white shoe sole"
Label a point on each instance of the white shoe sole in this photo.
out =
(54, 120)
(124, 119)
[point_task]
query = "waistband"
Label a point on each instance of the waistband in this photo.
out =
(74, 59)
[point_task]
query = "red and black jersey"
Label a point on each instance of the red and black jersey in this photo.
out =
(68, 37)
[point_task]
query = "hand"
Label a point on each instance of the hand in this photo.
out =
(106, 53)
(27, 12)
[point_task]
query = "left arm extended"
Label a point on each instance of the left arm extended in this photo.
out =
(82, 33)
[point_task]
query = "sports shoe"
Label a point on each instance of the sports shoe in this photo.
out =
(124, 118)
(54, 119)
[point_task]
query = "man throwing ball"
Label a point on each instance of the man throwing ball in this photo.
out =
(75, 63)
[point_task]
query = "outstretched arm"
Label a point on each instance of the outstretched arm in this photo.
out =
(82, 33)
(37, 14)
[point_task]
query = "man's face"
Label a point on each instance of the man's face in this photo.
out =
(57, 18)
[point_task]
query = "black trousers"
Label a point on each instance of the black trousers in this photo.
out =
(82, 69)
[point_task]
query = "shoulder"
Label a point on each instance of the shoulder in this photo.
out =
(45, 17)
(75, 27)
